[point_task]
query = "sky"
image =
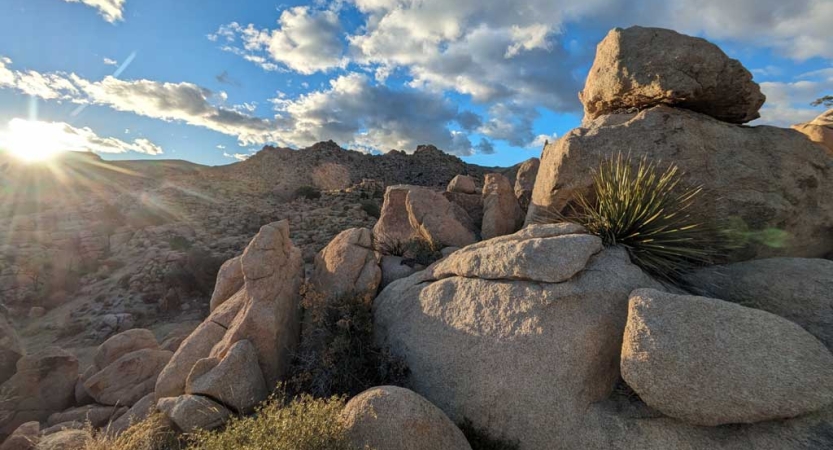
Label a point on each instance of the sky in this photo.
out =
(212, 81)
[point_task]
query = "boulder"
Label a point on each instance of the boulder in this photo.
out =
(515, 353)
(393, 223)
(82, 397)
(10, 349)
(501, 213)
(96, 415)
(140, 411)
(194, 412)
(797, 289)
(819, 130)
(472, 204)
(438, 219)
(129, 378)
(394, 418)
(463, 184)
(43, 384)
(525, 181)
(65, 440)
(229, 281)
(73, 425)
(637, 68)
(348, 265)
(235, 380)
(759, 181)
(25, 437)
(122, 344)
(710, 362)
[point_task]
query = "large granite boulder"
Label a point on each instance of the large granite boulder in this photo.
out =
(710, 362)
(129, 378)
(521, 342)
(637, 68)
(432, 216)
(194, 412)
(229, 281)
(122, 344)
(525, 181)
(501, 213)
(348, 265)
(43, 384)
(10, 349)
(463, 184)
(797, 289)
(763, 180)
(819, 130)
(393, 418)
(393, 223)
(235, 380)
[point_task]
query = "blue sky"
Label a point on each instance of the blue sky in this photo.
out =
(214, 80)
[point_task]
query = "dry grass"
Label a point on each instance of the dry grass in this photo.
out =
(153, 433)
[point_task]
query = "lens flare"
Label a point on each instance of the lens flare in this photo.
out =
(33, 141)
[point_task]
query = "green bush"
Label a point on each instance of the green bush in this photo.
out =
(371, 208)
(479, 439)
(337, 355)
(307, 192)
(648, 211)
(304, 423)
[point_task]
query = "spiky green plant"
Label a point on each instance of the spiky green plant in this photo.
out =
(648, 211)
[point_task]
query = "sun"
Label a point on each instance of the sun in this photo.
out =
(33, 141)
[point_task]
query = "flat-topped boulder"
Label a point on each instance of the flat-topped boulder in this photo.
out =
(637, 68)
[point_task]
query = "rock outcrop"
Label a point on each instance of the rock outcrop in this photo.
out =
(10, 349)
(433, 217)
(710, 362)
(43, 384)
(501, 213)
(819, 130)
(347, 266)
(393, 223)
(797, 289)
(467, 326)
(394, 418)
(637, 68)
(760, 182)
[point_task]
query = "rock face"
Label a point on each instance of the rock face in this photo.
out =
(394, 418)
(347, 265)
(193, 412)
(25, 437)
(525, 181)
(763, 178)
(438, 219)
(472, 204)
(819, 130)
(710, 362)
(129, 378)
(556, 337)
(796, 289)
(637, 68)
(462, 184)
(257, 326)
(394, 223)
(10, 349)
(501, 213)
(43, 384)
(229, 281)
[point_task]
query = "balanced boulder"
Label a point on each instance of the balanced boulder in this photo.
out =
(501, 213)
(637, 68)
(394, 418)
(710, 362)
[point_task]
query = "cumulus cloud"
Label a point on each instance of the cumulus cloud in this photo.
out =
(61, 136)
(237, 156)
(111, 10)
(110, 62)
(541, 140)
(788, 103)
(306, 41)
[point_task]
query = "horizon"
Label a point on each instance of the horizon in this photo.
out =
(486, 82)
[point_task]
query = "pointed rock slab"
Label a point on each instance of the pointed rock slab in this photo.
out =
(194, 412)
(229, 282)
(641, 67)
(236, 380)
(129, 378)
(438, 219)
(525, 182)
(348, 265)
(10, 349)
(819, 130)
(710, 362)
(122, 344)
(393, 223)
(501, 213)
(393, 418)
(43, 384)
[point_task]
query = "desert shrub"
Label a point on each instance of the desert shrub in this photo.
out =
(391, 246)
(153, 433)
(480, 439)
(196, 273)
(648, 211)
(179, 243)
(307, 192)
(371, 208)
(337, 355)
(421, 249)
(304, 423)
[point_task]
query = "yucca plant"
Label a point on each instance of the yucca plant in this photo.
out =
(648, 211)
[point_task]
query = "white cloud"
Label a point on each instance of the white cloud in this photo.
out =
(111, 10)
(541, 140)
(221, 147)
(110, 62)
(238, 156)
(60, 136)
(788, 103)
(306, 41)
